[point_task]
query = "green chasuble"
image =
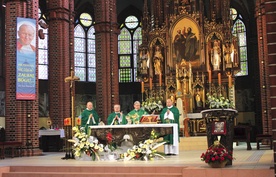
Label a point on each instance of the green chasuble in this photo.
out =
(135, 115)
(116, 122)
(84, 118)
(175, 112)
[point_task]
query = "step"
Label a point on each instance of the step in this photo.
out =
(66, 171)
(67, 174)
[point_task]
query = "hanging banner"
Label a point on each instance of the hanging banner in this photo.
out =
(26, 59)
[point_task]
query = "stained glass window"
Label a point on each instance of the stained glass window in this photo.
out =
(86, 19)
(84, 45)
(128, 42)
(239, 30)
(43, 51)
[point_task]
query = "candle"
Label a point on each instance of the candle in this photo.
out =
(160, 79)
(219, 78)
(65, 121)
(142, 87)
(78, 121)
(150, 83)
(229, 81)
(210, 76)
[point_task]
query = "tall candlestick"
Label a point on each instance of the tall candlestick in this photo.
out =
(219, 78)
(210, 76)
(229, 81)
(160, 79)
(150, 83)
(142, 87)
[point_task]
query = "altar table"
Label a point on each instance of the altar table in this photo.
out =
(139, 132)
(50, 140)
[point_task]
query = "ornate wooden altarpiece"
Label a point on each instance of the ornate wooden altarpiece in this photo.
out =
(188, 54)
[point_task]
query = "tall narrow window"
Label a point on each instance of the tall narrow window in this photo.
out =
(85, 59)
(239, 30)
(128, 41)
(42, 50)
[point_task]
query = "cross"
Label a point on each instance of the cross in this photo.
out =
(72, 79)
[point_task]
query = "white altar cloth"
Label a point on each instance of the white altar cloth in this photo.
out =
(52, 132)
(174, 126)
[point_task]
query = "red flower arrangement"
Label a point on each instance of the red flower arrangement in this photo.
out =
(110, 144)
(216, 153)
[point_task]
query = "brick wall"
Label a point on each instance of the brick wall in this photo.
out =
(60, 59)
(265, 13)
(107, 87)
(21, 115)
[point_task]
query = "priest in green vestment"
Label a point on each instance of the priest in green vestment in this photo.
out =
(170, 114)
(135, 115)
(89, 117)
(117, 117)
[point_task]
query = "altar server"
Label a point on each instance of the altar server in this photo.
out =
(170, 114)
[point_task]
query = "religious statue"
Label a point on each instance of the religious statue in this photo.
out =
(172, 96)
(228, 51)
(198, 99)
(144, 61)
(158, 60)
(216, 55)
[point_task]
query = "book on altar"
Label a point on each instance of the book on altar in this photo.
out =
(149, 119)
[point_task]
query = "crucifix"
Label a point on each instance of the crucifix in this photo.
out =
(72, 78)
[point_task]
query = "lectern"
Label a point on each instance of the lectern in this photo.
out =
(220, 122)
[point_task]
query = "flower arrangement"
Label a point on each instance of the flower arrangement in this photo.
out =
(218, 101)
(85, 144)
(110, 146)
(216, 153)
(146, 150)
(153, 104)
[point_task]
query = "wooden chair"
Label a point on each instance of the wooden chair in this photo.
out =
(242, 134)
(262, 137)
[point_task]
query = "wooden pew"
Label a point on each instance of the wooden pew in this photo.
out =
(14, 146)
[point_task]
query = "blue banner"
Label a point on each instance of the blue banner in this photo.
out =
(26, 59)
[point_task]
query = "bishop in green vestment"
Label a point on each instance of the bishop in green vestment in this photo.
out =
(136, 114)
(89, 117)
(117, 117)
(170, 114)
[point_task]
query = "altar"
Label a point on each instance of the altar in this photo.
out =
(138, 132)
(50, 140)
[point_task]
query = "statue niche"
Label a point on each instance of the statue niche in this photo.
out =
(215, 54)
(198, 94)
(144, 60)
(158, 60)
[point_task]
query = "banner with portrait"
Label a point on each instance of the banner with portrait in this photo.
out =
(26, 59)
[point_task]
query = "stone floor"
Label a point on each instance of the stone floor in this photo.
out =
(254, 163)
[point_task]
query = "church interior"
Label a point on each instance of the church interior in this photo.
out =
(201, 54)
